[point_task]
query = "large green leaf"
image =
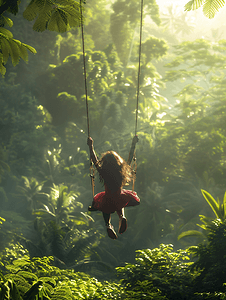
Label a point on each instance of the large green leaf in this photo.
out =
(31, 10)
(224, 205)
(190, 233)
(13, 48)
(6, 32)
(43, 17)
(193, 4)
(58, 21)
(211, 7)
(57, 16)
(5, 21)
(212, 203)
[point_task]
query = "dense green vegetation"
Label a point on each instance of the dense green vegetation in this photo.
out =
(50, 246)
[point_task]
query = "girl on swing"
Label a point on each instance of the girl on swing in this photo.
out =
(115, 172)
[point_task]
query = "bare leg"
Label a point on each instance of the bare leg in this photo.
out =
(107, 218)
(121, 213)
(122, 220)
(110, 228)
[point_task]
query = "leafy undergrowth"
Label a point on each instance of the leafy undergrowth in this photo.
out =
(159, 274)
(37, 278)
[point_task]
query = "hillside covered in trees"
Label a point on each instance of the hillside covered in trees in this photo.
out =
(51, 246)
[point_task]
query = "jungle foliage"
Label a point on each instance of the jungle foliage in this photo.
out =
(218, 209)
(210, 8)
(51, 247)
(160, 273)
(57, 16)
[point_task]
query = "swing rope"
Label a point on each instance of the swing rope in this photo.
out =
(91, 169)
(84, 67)
(138, 79)
(134, 163)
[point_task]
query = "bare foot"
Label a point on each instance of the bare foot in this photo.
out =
(122, 225)
(111, 232)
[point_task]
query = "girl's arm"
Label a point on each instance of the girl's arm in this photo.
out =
(132, 149)
(92, 152)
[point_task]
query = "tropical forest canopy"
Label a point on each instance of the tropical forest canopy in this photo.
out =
(51, 247)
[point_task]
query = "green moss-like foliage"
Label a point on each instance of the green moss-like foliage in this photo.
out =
(37, 278)
(159, 273)
(211, 263)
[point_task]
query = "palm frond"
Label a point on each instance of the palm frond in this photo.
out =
(193, 4)
(212, 203)
(211, 7)
(190, 233)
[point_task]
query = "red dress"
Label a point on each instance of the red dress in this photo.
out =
(109, 202)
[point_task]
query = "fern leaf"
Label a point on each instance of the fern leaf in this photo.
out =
(28, 276)
(190, 233)
(193, 4)
(212, 203)
(33, 291)
(48, 280)
(205, 220)
(62, 292)
(21, 283)
(211, 7)
(15, 294)
(203, 226)
(9, 291)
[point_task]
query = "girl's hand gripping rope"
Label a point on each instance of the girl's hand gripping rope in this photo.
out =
(90, 142)
(132, 149)
(135, 140)
(93, 156)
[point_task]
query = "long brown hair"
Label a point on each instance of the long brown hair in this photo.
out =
(114, 170)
